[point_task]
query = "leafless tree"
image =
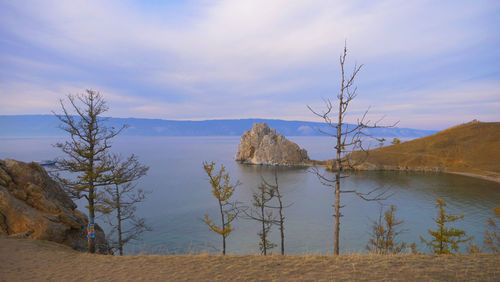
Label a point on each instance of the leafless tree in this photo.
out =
(87, 150)
(121, 198)
(263, 215)
(280, 207)
(348, 139)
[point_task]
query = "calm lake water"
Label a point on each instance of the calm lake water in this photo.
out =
(181, 195)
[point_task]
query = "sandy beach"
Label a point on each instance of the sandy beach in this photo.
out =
(32, 260)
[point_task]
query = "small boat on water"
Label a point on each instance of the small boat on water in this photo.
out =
(47, 163)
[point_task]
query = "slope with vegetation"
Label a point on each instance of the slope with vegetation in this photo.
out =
(471, 149)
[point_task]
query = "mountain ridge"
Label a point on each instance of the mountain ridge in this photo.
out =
(47, 125)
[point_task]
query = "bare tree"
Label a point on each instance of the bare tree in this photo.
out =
(348, 139)
(281, 217)
(222, 190)
(262, 214)
(87, 150)
(122, 197)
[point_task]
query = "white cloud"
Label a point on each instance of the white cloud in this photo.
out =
(242, 40)
(245, 58)
(33, 98)
(443, 107)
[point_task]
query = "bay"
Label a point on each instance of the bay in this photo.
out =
(181, 195)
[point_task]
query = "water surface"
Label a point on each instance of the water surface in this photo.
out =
(181, 196)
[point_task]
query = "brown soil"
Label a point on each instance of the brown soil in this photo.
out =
(32, 260)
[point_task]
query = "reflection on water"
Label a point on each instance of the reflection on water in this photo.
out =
(181, 195)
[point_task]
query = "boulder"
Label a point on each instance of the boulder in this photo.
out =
(262, 145)
(33, 205)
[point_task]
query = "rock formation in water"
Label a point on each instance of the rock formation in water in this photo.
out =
(33, 205)
(261, 145)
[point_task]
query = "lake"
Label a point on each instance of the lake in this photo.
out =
(181, 195)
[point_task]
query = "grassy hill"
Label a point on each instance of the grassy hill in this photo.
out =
(472, 148)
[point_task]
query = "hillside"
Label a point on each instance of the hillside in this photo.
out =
(472, 148)
(47, 125)
(33, 260)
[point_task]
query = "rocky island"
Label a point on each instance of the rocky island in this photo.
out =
(263, 146)
(33, 205)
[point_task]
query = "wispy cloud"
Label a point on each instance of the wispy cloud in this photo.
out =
(218, 59)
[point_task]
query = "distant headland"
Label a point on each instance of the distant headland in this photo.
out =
(470, 149)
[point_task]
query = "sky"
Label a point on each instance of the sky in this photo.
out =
(426, 64)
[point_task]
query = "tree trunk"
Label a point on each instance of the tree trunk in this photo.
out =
(337, 214)
(282, 227)
(91, 241)
(119, 220)
(339, 148)
(223, 229)
(264, 245)
(282, 230)
(441, 245)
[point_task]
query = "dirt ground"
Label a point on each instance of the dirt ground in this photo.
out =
(32, 260)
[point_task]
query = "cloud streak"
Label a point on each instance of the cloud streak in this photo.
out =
(230, 59)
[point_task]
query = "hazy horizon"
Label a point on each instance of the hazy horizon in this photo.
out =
(249, 118)
(427, 64)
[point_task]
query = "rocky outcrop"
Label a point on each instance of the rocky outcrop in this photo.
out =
(262, 145)
(33, 205)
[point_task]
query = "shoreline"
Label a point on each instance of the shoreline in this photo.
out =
(314, 163)
(479, 176)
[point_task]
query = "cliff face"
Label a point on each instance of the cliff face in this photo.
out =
(261, 145)
(33, 205)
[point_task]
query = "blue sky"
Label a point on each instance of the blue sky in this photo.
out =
(428, 64)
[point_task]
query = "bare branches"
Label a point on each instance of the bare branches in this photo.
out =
(261, 214)
(349, 139)
(280, 208)
(121, 198)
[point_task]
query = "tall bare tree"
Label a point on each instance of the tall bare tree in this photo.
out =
(87, 149)
(348, 139)
(121, 198)
(222, 190)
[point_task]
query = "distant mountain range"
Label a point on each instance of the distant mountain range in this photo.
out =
(47, 125)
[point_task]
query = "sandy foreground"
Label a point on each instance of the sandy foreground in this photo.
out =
(32, 260)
